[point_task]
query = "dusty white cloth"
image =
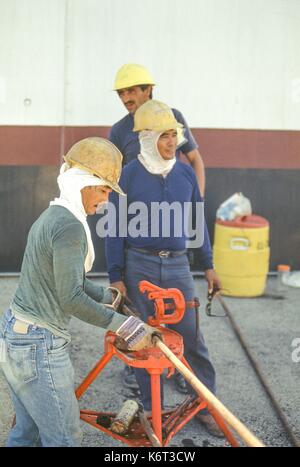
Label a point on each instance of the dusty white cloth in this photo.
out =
(70, 182)
(150, 156)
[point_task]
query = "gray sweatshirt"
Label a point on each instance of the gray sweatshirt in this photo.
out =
(53, 286)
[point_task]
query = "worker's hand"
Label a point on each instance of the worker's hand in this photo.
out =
(120, 286)
(117, 299)
(137, 334)
(122, 304)
(213, 282)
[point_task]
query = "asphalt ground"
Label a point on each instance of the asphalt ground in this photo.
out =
(270, 328)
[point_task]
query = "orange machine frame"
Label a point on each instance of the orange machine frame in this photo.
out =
(165, 424)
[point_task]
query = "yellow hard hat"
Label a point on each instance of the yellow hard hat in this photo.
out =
(100, 157)
(156, 116)
(132, 74)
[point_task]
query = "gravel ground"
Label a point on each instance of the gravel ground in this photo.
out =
(269, 327)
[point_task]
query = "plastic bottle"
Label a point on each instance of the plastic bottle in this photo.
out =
(236, 205)
(283, 272)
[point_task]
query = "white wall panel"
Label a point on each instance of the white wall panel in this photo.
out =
(224, 63)
(31, 62)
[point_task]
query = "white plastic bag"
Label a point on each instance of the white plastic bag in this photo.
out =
(292, 279)
(235, 206)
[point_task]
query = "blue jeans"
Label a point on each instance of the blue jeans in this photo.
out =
(168, 273)
(41, 379)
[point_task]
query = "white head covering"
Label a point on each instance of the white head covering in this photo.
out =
(150, 156)
(70, 182)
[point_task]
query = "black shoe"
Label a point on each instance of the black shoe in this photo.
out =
(180, 383)
(210, 425)
(129, 379)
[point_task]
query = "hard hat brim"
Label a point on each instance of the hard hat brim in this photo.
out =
(116, 188)
(117, 88)
(160, 129)
(112, 185)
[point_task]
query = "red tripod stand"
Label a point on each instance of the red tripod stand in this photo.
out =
(165, 424)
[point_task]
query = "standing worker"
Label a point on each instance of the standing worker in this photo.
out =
(134, 85)
(34, 334)
(157, 177)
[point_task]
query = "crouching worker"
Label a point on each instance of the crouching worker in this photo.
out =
(34, 333)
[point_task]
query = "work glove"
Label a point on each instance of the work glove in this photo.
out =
(120, 303)
(136, 334)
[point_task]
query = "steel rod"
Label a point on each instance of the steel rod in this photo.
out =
(245, 434)
(293, 438)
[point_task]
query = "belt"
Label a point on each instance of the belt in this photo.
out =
(160, 253)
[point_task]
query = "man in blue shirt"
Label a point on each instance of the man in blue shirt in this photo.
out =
(134, 85)
(144, 252)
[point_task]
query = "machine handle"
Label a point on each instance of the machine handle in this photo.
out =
(249, 438)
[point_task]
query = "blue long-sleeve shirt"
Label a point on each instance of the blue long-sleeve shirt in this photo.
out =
(179, 186)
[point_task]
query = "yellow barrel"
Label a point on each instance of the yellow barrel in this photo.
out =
(241, 255)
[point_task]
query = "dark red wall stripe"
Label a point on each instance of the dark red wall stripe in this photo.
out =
(40, 145)
(220, 148)
(253, 149)
(29, 145)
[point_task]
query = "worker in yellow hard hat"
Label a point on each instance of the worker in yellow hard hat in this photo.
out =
(165, 193)
(34, 335)
(134, 85)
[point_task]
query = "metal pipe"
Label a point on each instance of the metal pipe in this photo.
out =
(156, 405)
(249, 438)
(293, 438)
